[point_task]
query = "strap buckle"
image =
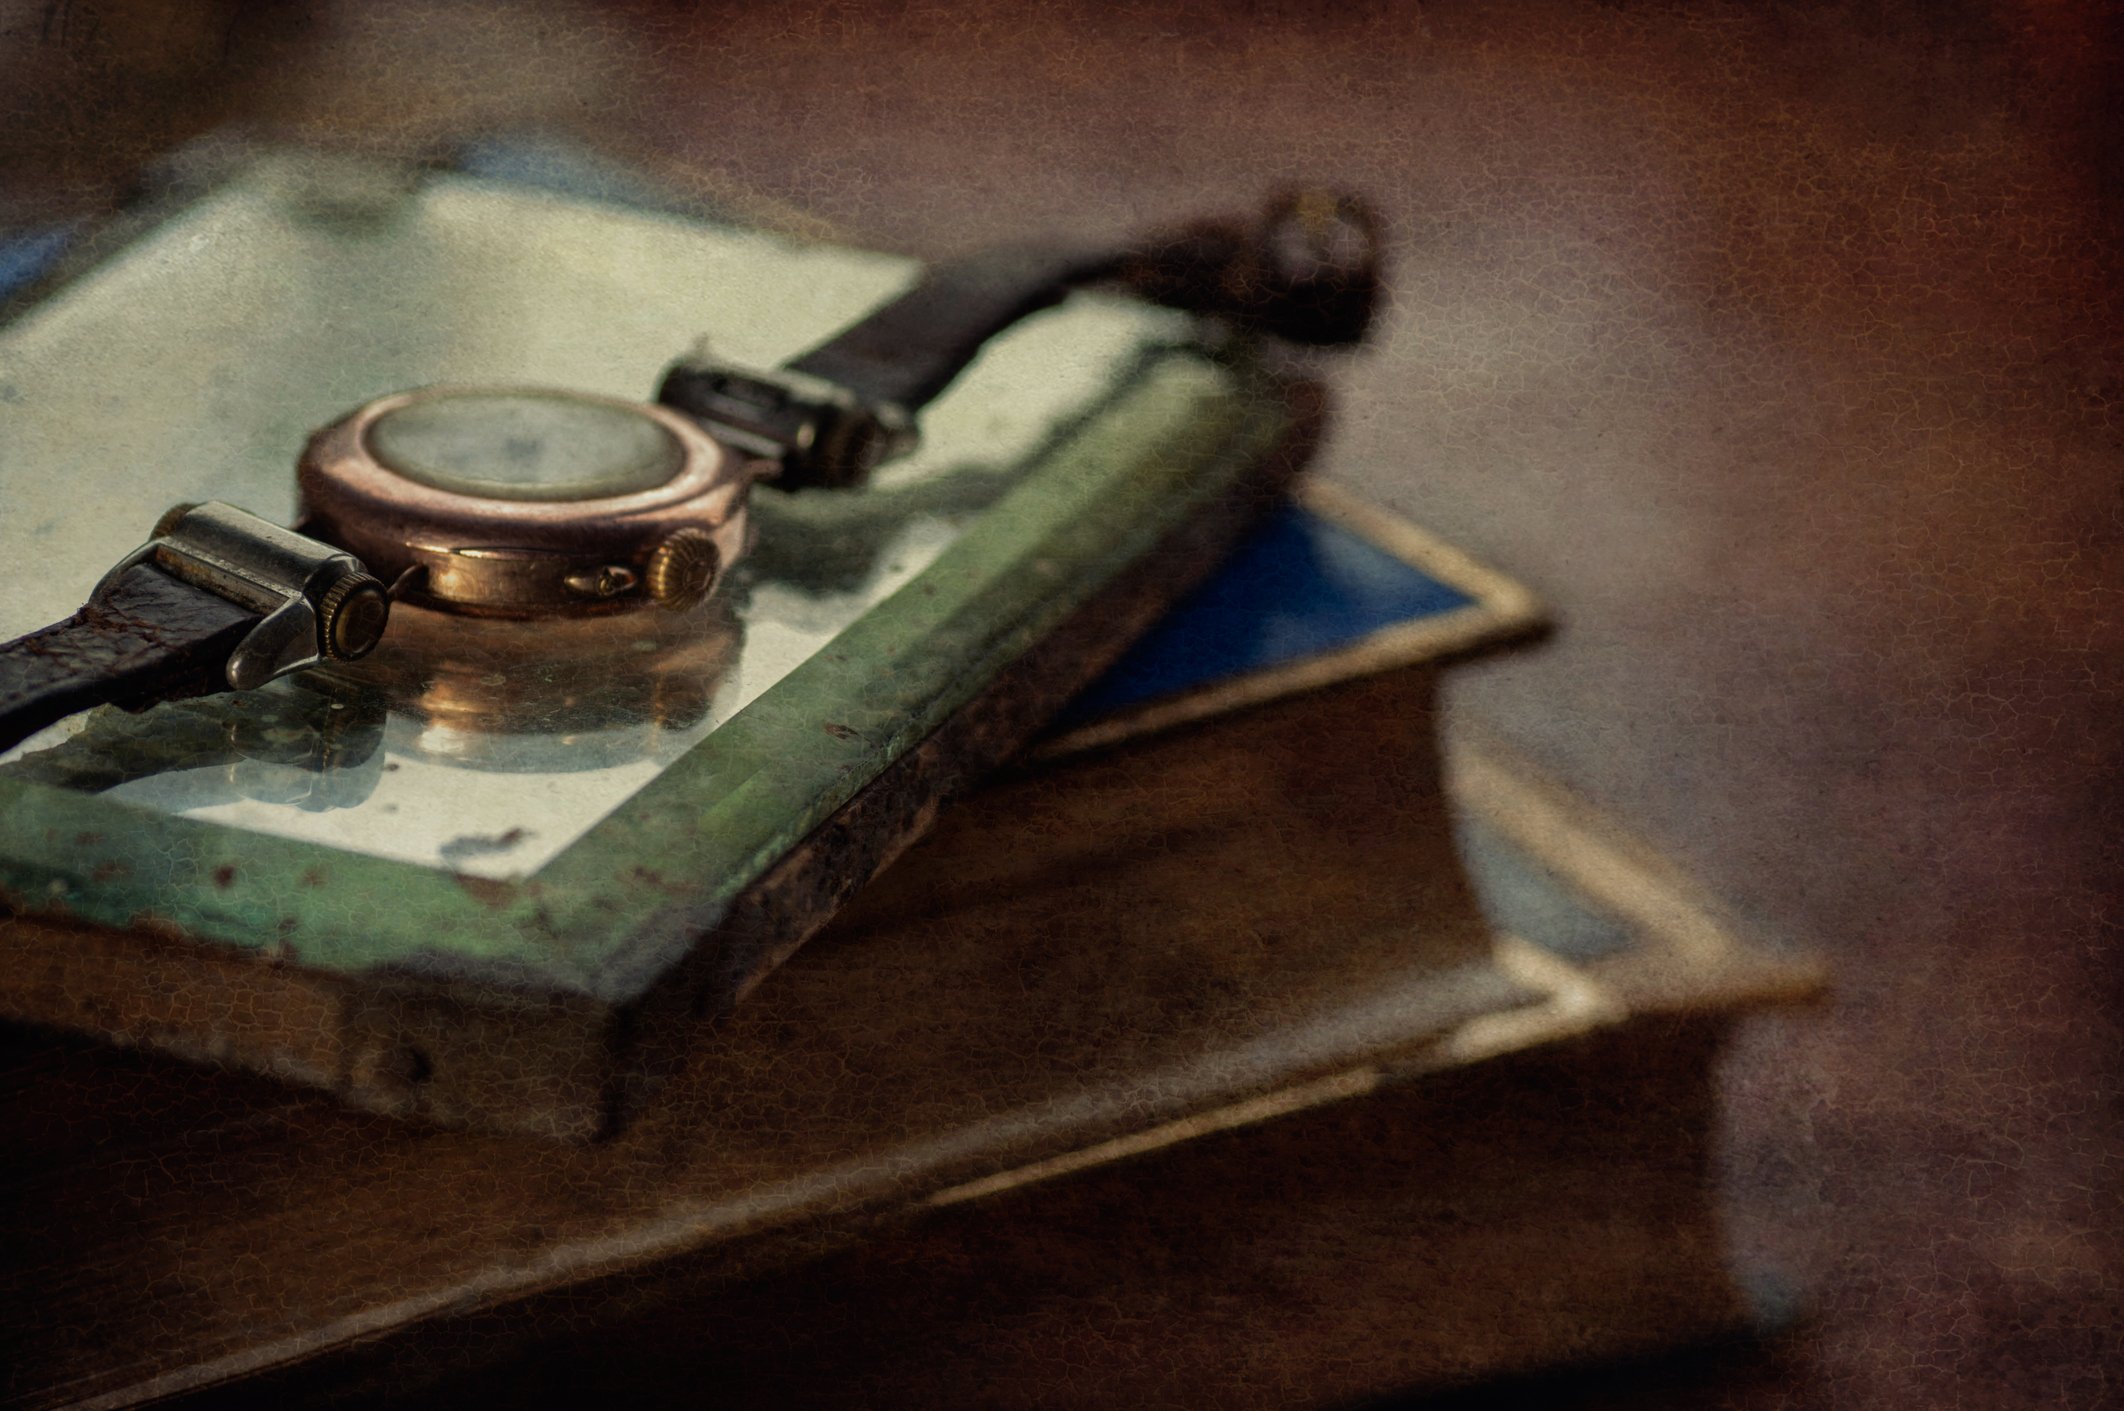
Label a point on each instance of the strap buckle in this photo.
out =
(814, 433)
(318, 603)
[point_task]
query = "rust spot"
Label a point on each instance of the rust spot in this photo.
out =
(485, 890)
(313, 877)
(105, 871)
(148, 923)
(656, 881)
(839, 732)
(224, 875)
(87, 840)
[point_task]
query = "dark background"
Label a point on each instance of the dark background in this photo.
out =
(1776, 345)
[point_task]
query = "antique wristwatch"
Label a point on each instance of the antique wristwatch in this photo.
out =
(534, 503)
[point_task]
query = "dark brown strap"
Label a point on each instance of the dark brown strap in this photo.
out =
(912, 349)
(144, 637)
(1307, 270)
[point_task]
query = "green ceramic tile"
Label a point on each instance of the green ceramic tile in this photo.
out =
(342, 828)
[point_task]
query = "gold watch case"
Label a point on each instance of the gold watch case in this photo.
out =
(526, 502)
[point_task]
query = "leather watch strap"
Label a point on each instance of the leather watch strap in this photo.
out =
(912, 349)
(143, 637)
(1306, 270)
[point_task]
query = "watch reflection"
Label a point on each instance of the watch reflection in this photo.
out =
(546, 695)
(560, 695)
(299, 743)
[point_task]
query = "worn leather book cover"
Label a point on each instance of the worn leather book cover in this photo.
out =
(1241, 1048)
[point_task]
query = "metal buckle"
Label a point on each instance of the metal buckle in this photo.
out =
(319, 603)
(813, 432)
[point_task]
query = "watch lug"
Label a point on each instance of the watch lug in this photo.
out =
(286, 640)
(814, 432)
(117, 570)
(295, 581)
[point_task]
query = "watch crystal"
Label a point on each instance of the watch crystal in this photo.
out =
(525, 446)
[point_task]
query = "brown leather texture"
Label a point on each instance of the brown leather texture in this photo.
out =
(143, 638)
(909, 351)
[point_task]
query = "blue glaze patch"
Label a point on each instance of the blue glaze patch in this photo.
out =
(26, 254)
(552, 164)
(1300, 586)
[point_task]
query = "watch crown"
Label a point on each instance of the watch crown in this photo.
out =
(682, 568)
(352, 615)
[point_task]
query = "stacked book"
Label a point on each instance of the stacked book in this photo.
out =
(1252, 1042)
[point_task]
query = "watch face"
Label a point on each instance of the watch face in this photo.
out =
(513, 445)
